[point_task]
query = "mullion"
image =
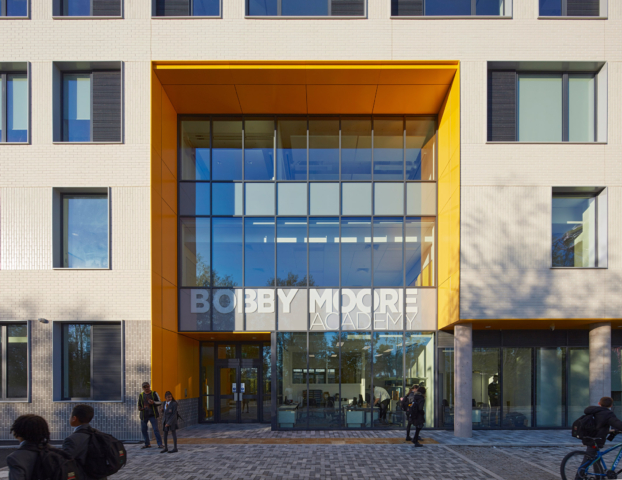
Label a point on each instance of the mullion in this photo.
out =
(3, 92)
(3, 360)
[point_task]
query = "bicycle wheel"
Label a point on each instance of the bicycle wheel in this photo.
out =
(574, 467)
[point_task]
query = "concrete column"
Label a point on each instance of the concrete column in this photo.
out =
(600, 361)
(463, 380)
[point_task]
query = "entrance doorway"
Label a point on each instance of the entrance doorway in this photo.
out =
(240, 382)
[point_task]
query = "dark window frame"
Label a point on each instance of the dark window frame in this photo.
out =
(328, 15)
(4, 98)
(564, 12)
(3, 10)
(4, 362)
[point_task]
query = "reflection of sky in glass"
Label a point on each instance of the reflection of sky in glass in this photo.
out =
(291, 150)
(356, 149)
(262, 7)
(259, 149)
(85, 226)
(206, 8)
(16, 8)
(194, 198)
(17, 108)
(448, 7)
(388, 264)
(304, 7)
(77, 8)
(291, 251)
(355, 252)
(77, 108)
(259, 252)
(323, 149)
(389, 149)
(324, 251)
(227, 150)
(227, 251)
(550, 8)
(195, 240)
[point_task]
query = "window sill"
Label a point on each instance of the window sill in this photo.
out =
(572, 18)
(283, 17)
(14, 143)
(546, 143)
(91, 17)
(451, 17)
(79, 269)
(17, 400)
(87, 143)
(187, 17)
(578, 268)
(14, 18)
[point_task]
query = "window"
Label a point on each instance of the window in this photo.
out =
(305, 8)
(13, 361)
(87, 8)
(570, 8)
(91, 361)
(579, 227)
(412, 8)
(91, 106)
(187, 8)
(13, 8)
(84, 231)
(541, 106)
(13, 107)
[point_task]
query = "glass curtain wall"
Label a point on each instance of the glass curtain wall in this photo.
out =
(486, 387)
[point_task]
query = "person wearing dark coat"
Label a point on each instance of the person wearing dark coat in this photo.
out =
(417, 414)
(29, 430)
(77, 444)
(606, 420)
(407, 402)
(169, 420)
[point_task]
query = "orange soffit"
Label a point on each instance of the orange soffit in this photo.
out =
(307, 88)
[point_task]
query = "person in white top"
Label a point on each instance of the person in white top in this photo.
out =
(382, 399)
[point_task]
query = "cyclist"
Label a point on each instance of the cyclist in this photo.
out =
(605, 420)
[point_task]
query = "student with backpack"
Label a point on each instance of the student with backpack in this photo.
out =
(596, 424)
(169, 410)
(148, 403)
(97, 454)
(35, 458)
(417, 414)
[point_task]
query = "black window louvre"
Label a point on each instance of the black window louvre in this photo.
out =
(502, 106)
(107, 106)
(106, 8)
(406, 8)
(583, 8)
(347, 8)
(173, 8)
(106, 361)
(486, 338)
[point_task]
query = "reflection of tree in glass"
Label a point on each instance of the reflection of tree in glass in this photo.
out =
(565, 248)
(79, 360)
(292, 280)
(204, 274)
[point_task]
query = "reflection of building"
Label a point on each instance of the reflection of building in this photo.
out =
(271, 240)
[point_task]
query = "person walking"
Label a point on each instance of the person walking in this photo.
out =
(77, 444)
(32, 432)
(169, 411)
(148, 403)
(407, 401)
(417, 414)
(605, 420)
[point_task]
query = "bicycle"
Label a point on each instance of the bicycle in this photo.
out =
(579, 465)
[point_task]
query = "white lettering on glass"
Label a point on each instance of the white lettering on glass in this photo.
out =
(224, 301)
(286, 298)
(250, 305)
(266, 301)
(317, 300)
(198, 301)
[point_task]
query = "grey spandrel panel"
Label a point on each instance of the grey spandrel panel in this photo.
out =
(388, 309)
(227, 306)
(356, 309)
(389, 198)
(421, 199)
(292, 199)
(259, 198)
(324, 198)
(324, 309)
(195, 310)
(292, 309)
(259, 309)
(356, 199)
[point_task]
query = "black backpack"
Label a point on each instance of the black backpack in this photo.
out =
(105, 455)
(405, 405)
(53, 464)
(585, 426)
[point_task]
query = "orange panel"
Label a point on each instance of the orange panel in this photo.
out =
(344, 99)
(156, 359)
(204, 98)
(413, 99)
(169, 135)
(169, 244)
(169, 188)
(169, 306)
(156, 300)
(272, 98)
(221, 76)
(418, 76)
(188, 367)
(156, 232)
(355, 76)
(268, 76)
(170, 359)
(156, 171)
(156, 115)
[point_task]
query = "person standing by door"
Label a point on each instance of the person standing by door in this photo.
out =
(148, 403)
(382, 399)
(169, 411)
(417, 413)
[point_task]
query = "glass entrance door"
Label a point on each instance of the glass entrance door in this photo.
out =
(228, 398)
(249, 394)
